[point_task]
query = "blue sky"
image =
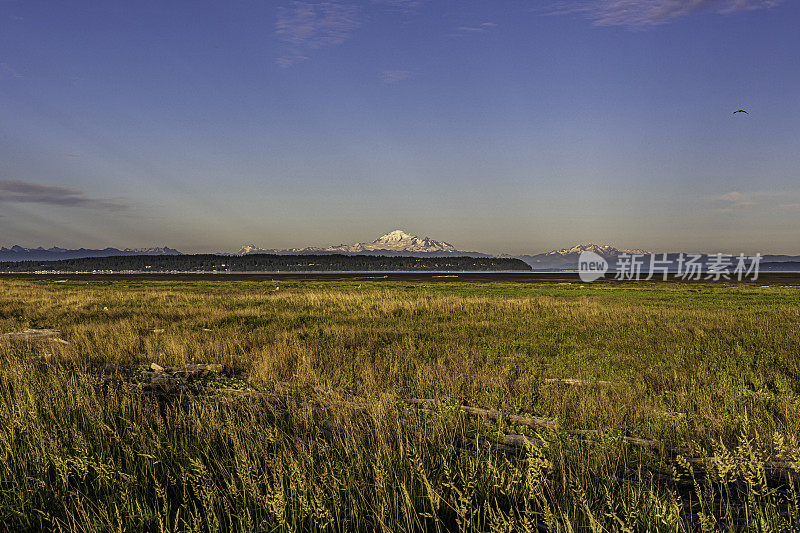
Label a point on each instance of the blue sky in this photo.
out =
(503, 126)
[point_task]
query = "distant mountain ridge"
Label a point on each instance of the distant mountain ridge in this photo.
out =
(400, 243)
(567, 258)
(604, 250)
(396, 242)
(19, 253)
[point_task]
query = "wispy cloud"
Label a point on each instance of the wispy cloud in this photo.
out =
(737, 201)
(480, 28)
(401, 5)
(7, 71)
(306, 26)
(640, 14)
(734, 201)
(390, 77)
(17, 191)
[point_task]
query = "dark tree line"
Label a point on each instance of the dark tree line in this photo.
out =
(265, 263)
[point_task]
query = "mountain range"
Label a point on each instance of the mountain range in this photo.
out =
(398, 242)
(394, 243)
(567, 258)
(18, 253)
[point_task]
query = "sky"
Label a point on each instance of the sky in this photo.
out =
(502, 126)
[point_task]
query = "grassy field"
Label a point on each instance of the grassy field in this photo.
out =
(666, 407)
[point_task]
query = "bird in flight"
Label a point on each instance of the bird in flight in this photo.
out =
(741, 111)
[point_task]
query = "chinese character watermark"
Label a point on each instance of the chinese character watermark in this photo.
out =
(686, 267)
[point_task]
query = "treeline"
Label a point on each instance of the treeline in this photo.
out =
(265, 263)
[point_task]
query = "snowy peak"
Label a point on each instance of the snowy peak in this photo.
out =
(250, 249)
(393, 243)
(398, 241)
(158, 250)
(568, 257)
(396, 236)
(604, 250)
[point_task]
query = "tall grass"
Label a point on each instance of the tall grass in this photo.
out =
(710, 370)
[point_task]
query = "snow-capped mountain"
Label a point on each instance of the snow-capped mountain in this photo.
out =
(19, 253)
(567, 258)
(396, 242)
(158, 250)
(400, 243)
(604, 250)
(251, 249)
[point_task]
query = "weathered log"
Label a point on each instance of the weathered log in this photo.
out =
(424, 401)
(494, 446)
(31, 334)
(520, 440)
(642, 442)
(573, 381)
(538, 422)
(518, 420)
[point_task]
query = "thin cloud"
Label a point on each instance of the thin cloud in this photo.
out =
(736, 197)
(391, 77)
(6, 70)
(734, 201)
(640, 14)
(790, 207)
(290, 59)
(480, 28)
(307, 26)
(17, 191)
(400, 5)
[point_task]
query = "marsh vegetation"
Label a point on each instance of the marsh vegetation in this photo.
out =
(350, 406)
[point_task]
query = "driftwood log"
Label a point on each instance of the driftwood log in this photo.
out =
(29, 334)
(530, 421)
(576, 382)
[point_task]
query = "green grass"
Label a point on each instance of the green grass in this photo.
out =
(712, 369)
